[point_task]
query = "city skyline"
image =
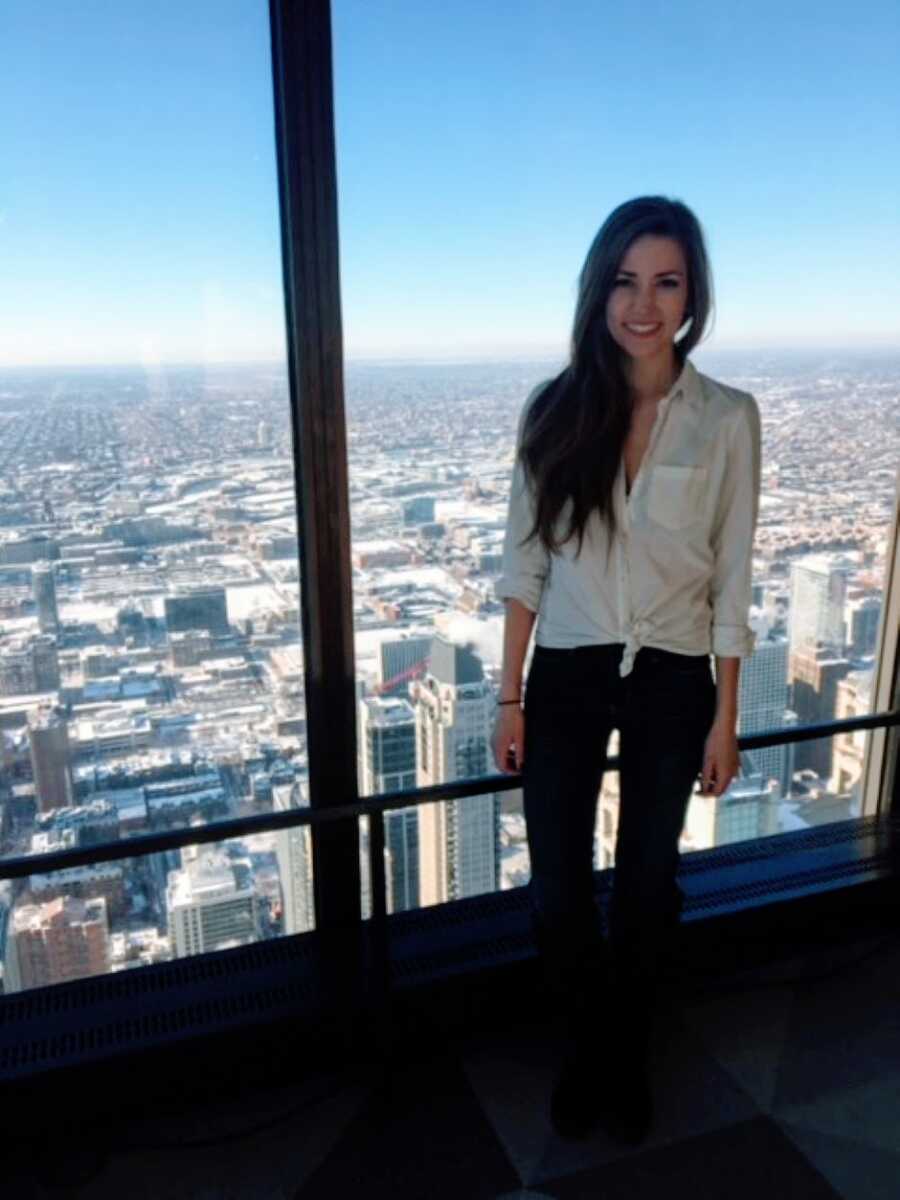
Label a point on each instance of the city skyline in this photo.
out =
(153, 664)
(703, 355)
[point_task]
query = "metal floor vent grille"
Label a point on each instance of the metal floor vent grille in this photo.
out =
(496, 952)
(883, 830)
(798, 863)
(132, 1011)
(723, 880)
(81, 1021)
(28, 1055)
(797, 882)
(141, 982)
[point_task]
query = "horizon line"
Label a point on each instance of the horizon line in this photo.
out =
(829, 349)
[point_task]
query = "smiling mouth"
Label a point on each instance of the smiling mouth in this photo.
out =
(643, 330)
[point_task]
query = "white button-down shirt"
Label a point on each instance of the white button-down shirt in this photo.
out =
(679, 575)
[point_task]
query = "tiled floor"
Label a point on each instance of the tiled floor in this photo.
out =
(765, 1090)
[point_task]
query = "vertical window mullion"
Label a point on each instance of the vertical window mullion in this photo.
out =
(304, 131)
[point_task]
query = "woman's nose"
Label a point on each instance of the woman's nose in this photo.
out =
(643, 296)
(644, 306)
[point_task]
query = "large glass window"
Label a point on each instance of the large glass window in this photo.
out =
(148, 909)
(151, 666)
(479, 149)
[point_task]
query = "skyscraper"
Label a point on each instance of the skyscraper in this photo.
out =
(293, 852)
(854, 699)
(48, 737)
(203, 608)
(43, 584)
(29, 664)
(387, 744)
(46, 662)
(819, 584)
(418, 511)
(211, 904)
(459, 840)
(66, 938)
(763, 705)
(861, 621)
(816, 674)
(818, 595)
(387, 763)
(748, 808)
(399, 661)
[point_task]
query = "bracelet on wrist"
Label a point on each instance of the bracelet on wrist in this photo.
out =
(518, 700)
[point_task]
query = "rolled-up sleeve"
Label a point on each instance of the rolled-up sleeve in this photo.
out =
(732, 537)
(524, 567)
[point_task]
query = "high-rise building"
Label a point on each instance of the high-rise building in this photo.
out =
(748, 808)
(48, 737)
(66, 938)
(789, 762)
(45, 656)
(401, 840)
(459, 840)
(190, 647)
(854, 699)
(399, 661)
(293, 851)
(211, 904)
(205, 608)
(818, 595)
(29, 664)
(763, 704)
(28, 549)
(815, 675)
(418, 511)
(387, 745)
(43, 583)
(861, 623)
(387, 763)
(16, 669)
(776, 607)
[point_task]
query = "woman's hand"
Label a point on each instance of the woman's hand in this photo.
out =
(508, 739)
(721, 759)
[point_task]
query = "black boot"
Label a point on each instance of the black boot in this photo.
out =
(631, 1099)
(578, 1101)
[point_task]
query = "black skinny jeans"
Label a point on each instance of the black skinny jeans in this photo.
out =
(663, 710)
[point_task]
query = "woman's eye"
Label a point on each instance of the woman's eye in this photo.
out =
(667, 283)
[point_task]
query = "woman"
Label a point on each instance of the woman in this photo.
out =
(632, 512)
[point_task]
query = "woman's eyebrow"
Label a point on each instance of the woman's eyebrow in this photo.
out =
(658, 273)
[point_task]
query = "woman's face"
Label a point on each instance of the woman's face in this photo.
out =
(646, 306)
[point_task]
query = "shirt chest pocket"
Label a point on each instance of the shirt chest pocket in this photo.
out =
(676, 494)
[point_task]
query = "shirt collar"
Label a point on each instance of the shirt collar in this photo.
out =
(686, 386)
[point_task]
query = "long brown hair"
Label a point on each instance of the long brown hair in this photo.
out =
(575, 429)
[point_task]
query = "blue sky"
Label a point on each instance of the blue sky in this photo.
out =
(479, 148)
